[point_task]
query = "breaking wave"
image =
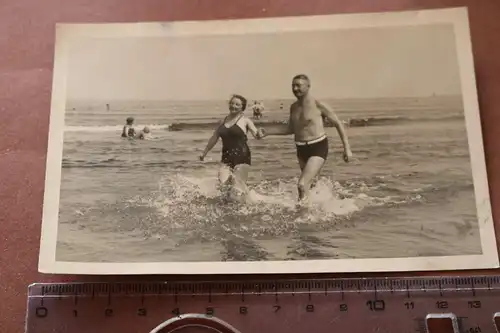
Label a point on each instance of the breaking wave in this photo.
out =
(193, 125)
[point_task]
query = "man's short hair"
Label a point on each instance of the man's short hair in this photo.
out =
(301, 77)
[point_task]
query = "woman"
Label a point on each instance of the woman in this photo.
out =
(236, 156)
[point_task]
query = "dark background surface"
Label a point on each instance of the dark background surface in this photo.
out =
(27, 49)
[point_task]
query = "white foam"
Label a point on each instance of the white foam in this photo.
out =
(267, 200)
(192, 205)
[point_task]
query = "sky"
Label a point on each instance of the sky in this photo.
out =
(350, 63)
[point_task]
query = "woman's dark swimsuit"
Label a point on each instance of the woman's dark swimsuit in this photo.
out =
(235, 149)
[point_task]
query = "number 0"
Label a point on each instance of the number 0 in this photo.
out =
(377, 305)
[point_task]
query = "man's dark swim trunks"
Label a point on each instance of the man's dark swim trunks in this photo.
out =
(317, 147)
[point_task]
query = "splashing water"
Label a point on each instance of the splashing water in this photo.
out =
(193, 208)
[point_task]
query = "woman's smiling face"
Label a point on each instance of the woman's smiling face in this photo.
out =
(235, 105)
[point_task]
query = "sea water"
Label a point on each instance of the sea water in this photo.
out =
(408, 192)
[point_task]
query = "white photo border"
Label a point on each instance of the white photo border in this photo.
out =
(457, 17)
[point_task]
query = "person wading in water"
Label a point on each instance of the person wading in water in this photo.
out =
(236, 155)
(128, 130)
(306, 124)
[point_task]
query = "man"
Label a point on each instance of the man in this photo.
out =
(306, 123)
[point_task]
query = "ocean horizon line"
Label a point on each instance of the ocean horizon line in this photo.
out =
(120, 100)
(186, 125)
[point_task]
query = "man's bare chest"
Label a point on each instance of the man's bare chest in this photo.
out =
(305, 116)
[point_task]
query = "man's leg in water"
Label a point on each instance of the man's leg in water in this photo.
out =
(302, 165)
(309, 172)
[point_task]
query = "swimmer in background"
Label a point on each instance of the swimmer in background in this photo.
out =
(145, 134)
(306, 123)
(128, 130)
(236, 156)
(257, 110)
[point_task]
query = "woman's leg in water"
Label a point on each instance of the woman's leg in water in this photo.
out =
(225, 175)
(240, 175)
(238, 190)
(234, 182)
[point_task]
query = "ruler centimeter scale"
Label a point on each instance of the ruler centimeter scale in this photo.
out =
(393, 305)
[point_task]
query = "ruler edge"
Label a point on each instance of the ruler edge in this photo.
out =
(241, 282)
(267, 280)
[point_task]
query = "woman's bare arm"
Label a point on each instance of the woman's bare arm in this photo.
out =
(211, 143)
(252, 128)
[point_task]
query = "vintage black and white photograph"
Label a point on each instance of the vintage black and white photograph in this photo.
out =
(332, 143)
